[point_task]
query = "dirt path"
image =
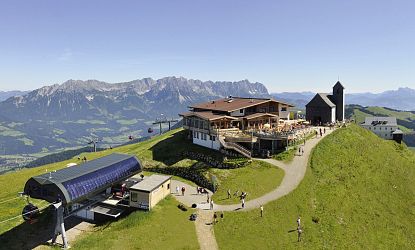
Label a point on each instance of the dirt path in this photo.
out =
(204, 230)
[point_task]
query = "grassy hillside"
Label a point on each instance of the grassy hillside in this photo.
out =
(161, 151)
(246, 180)
(358, 193)
(406, 119)
(165, 227)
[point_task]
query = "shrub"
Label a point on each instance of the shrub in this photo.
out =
(315, 219)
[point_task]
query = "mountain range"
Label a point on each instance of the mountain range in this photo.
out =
(71, 114)
(7, 94)
(400, 99)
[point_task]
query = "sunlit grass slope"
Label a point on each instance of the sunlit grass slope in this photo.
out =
(358, 193)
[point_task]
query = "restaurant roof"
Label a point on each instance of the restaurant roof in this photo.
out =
(207, 115)
(234, 103)
(255, 115)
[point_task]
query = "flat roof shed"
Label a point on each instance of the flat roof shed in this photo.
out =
(147, 193)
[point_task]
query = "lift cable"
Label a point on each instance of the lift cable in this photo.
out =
(20, 215)
(4, 201)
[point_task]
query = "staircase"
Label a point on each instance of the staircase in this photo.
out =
(235, 146)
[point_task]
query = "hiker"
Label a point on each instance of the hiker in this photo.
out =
(321, 133)
(262, 210)
(229, 193)
(221, 215)
(243, 202)
(324, 130)
(183, 190)
(316, 133)
(299, 221)
(197, 190)
(84, 159)
(302, 151)
(177, 189)
(299, 231)
(299, 151)
(207, 198)
(215, 218)
(211, 204)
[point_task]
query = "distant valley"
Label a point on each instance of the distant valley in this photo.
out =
(69, 115)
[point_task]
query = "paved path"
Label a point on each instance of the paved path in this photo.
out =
(203, 223)
(294, 173)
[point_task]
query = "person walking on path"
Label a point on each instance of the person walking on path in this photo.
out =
(211, 204)
(262, 211)
(299, 221)
(321, 133)
(177, 189)
(229, 193)
(302, 151)
(243, 202)
(215, 218)
(221, 215)
(207, 198)
(299, 232)
(299, 151)
(183, 190)
(197, 189)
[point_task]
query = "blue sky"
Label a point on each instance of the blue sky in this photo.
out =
(287, 45)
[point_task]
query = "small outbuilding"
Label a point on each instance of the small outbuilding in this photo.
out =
(397, 136)
(148, 192)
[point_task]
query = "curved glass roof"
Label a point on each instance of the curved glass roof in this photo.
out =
(80, 182)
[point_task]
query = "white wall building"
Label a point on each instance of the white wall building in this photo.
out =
(381, 126)
(206, 140)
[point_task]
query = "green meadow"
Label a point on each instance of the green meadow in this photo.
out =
(165, 151)
(358, 193)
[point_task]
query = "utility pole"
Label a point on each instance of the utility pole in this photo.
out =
(252, 142)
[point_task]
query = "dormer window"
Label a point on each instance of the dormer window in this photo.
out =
(241, 111)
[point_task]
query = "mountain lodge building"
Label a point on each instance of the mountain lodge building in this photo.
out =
(240, 124)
